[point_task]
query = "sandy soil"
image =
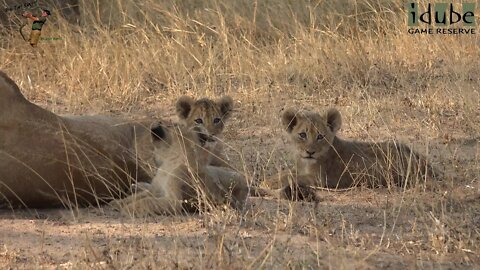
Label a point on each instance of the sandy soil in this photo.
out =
(359, 229)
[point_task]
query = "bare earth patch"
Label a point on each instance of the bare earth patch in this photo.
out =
(360, 228)
(356, 56)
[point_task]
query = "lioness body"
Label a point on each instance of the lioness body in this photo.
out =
(324, 160)
(47, 160)
(184, 178)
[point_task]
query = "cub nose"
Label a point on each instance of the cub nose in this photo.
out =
(310, 153)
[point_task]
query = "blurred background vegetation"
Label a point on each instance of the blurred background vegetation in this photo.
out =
(130, 51)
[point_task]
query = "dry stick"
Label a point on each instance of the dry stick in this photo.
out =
(136, 152)
(76, 141)
(93, 251)
(220, 246)
(8, 201)
(84, 171)
(426, 167)
(332, 189)
(268, 248)
(4, 196)
(70, 174)
(381, 238)
(402, 200)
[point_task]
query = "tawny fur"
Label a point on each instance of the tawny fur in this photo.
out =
(184, 179)
(211, 115)
(324, 160)
(48, 160)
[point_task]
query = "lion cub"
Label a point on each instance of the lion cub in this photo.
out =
(212, 116)
(184, 180)
(324, 160)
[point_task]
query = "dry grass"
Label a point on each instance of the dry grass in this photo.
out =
(355, 55)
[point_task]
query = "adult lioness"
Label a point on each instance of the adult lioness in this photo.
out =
(325, 160)
(47, 160)
(184, 179)
(211, 115)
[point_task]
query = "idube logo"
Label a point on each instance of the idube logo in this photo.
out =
(441, 18)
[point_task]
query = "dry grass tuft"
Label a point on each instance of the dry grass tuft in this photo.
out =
(136, 57)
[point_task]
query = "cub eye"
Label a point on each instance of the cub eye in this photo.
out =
(199, 121)
(320, 137)
(217, 120)
(302, 135)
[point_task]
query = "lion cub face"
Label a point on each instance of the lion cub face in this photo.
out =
(311, 133)
(174, 145)
(205, 113)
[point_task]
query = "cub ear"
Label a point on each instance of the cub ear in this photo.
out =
(158, 133)
(226, 106)
(184, 106)
(334, 120)
(289, 119)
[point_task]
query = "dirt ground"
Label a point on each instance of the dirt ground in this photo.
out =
(361, 228)
(135, 58)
